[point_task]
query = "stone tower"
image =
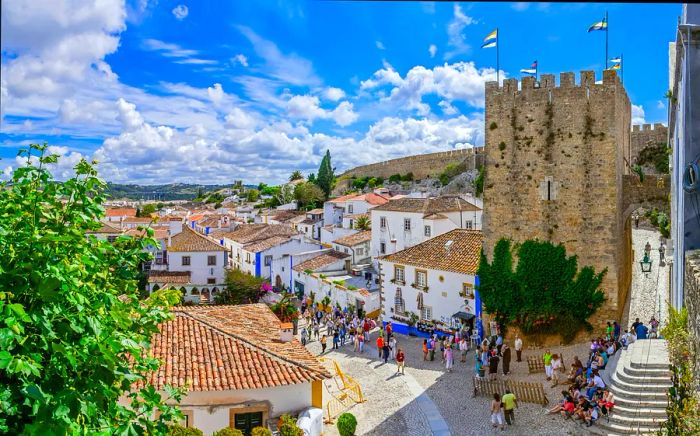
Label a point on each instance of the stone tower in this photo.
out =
(555, 161)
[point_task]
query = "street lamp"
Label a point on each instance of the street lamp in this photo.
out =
(646, 264)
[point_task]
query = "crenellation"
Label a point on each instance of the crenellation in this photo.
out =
(567, 80)
(587, 78)
(527, 83)
(547, 81)
(510, 86)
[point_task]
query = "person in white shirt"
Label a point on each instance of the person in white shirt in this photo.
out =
(556, 369)
(463, 348)
(518, 348)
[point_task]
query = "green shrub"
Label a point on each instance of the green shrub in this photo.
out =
(395, 178)
(493, 125)
(178, 430)
(346, 424)
(288, 426)
(261, 431)
(656, 155)
(479, 181)
(228, 431)
(502, 146)
(408, 177)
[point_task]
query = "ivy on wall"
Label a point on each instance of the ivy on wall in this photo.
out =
(545, 293)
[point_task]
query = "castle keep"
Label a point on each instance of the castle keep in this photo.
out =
(556, 164)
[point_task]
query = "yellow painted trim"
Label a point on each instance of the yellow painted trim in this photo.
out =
(317, 394)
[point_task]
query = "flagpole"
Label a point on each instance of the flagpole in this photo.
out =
(537, 67)
(622, 68)
(607, 30)
(498, 67)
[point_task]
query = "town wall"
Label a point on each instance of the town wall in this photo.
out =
(646, 135)
(422, 165)
(692, 302)
(555, 161)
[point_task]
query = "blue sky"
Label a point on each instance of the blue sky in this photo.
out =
(211, 92)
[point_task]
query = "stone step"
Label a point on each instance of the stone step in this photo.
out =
(620, 392)
(638, 372)
(637, 421)
(661, 388)
(648, 365)
(638, 410)
(642, 379)
(614, 429)
(636, 402)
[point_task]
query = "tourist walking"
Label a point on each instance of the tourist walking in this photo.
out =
(380, 345)
(509, 404)
(616, 331)
(496, 413)
(518, 348)
(385, 352)
(425, 349)
(642, 331)
(400, 358)
(323, 344)
(654, 328)
(463, 348)
(556, 369)
(392, 347)
(317, 329)
(336, 339)
(547, 358)
(361, 342)
(448, 358)
(304, 336)
(431, 348)
(493, 365)
(505, 352)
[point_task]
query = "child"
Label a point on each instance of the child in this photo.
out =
(323, 344)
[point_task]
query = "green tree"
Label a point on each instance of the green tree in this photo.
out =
(73, 330)
(147, 210)
(363, 223)
(252, 195)
(479, 181)
(296, 175)
(308, 195)
(200, 193)
(325, 177)
(311, 178)
(241, 288)
(545, 293)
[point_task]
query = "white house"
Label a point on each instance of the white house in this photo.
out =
(116, 214)
(241, 366)
(405, 222)
(356, 245)
(433, 280)
(336, 208)
(311, 224)
(106, 232)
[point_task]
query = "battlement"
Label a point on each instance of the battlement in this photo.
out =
(587, 79)
(648, 127)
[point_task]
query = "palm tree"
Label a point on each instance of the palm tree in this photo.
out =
(363, 223)
(296, 175)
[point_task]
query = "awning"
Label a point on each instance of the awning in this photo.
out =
(463, 316)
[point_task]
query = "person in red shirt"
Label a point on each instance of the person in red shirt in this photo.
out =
(388, 330)
(400, 357)
(380, 345)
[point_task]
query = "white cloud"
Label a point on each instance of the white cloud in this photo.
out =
(216, 93)
(432, 50)
(169, 50)
(333, 94)
(128, 116)
(241, 59)
(379, 45)
(520, 6)
(660, 105)
(455, 37)
(239, 119)
(180, 12)
(289, 68)
(447, 108)
(307, 107)
(343, 114)
(637, 114)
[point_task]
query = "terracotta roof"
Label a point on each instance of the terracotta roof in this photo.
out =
(189, 240)
(216, 348)
(355, 238)
(137, 219)
(105, 228)
(120, 211)
(370, 197)
(311, 221)
(285, 215)
(429, 205)
(155, 276)
(461, 257)
(158, 233)
(321, 260)
(355, 215)
(314, 211)
(247, 233)
(264, 244)
(435, 216)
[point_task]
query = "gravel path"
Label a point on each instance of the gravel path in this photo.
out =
(649, 293)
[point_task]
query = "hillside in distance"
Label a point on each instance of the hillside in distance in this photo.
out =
(172, 191)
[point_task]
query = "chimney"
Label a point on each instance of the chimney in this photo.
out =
(286, 332)
(175, 226)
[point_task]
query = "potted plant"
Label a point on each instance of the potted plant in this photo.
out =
(346, 424)
(412, 320)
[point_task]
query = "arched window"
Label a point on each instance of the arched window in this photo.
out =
(399, 305)
(183, 290)
(214, 291)
(155, 287)
(205, 291)
(195, 291)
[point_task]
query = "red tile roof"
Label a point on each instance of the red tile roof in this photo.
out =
(105, 228)
(355, 238)
(428, 206)
(120, 211)
(321, 260)
(172, 277)
(216, 348)
(189, 240)
(370, 197)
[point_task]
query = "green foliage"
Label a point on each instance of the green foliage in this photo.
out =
(683, 407)
(502, 146)
(241, 288)
(637, 169)
(408, 177)
(325, 177)
(178, 430)
(252, 195)
(296, 175)
(308, 196)
(311, 178)
(395, 178)
(346, 424)
(228, 431)
(659, 219)
(288, 426)
(479, 181)
(412, 319)
(656, 155)
(363, 223)
(261, 431)
(326, 301)
(285, 309)
(493, 125)
(216, 197)
(72, 327)
(451, 171)
(146, 211)
(545, 293)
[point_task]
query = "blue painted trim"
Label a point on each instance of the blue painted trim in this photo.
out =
(291, 275)
(258, 266)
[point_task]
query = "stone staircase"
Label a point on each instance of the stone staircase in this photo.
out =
(639, 385)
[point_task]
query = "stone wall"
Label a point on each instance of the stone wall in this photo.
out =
(555, 160)
(644, 135)
(652, 192)
(422, 165)
(692, 300)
